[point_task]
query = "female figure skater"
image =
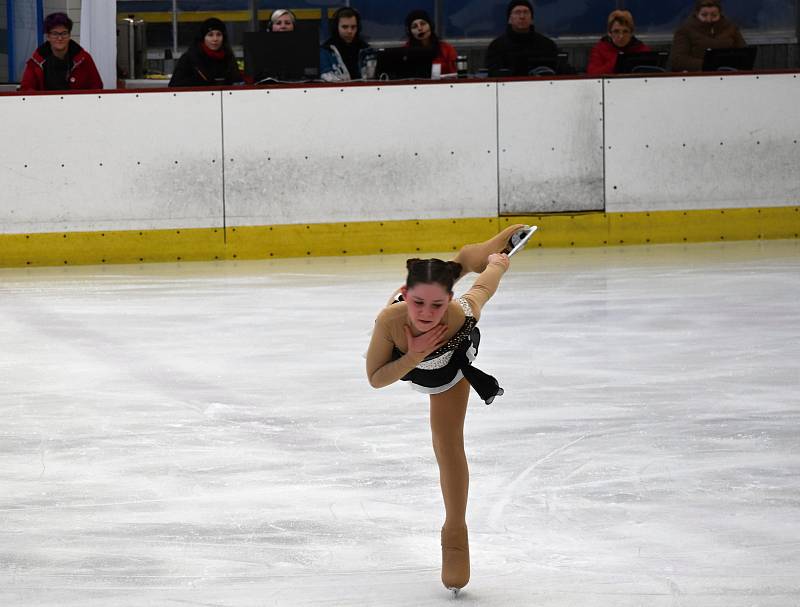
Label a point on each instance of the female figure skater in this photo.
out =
(425, 337)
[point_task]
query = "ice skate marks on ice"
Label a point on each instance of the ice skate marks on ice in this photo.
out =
(496, 513)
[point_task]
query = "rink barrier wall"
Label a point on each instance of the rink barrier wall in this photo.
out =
(387, 237)
(365, 169)
(360, 153)
(711, 142)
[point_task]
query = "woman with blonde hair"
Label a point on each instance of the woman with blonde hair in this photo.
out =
(281, 20)
(619, 40)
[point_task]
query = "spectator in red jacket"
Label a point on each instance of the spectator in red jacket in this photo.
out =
(60, 64)
(421, 34)
(620, 39)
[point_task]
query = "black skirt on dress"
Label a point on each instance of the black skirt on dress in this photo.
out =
(444, 368)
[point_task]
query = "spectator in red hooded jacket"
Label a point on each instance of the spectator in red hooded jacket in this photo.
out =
(60, 64)
(620, 39)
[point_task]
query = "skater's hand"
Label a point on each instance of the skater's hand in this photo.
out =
(500, 259)
(428, 342)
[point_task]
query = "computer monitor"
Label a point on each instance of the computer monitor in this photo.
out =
(403, 63)
(628, 63)
(282, 56)
(729, 59)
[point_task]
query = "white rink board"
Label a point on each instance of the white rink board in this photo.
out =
(702, 143)
(360, 153)
(550, 146)
(110, 161)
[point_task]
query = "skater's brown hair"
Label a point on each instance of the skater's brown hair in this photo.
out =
(429, 271)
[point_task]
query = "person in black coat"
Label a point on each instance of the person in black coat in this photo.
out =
(209, 61)
(509, 54)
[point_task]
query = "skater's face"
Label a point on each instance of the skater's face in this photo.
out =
(214, 40)
(427, 304)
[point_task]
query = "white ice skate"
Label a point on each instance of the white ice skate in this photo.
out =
(520, 238)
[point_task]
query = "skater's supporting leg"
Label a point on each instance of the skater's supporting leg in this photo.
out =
(448, 410)
(473, 257)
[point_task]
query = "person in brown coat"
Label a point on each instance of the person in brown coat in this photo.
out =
(705, 28)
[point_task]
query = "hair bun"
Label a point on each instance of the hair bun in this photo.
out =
(455, 269)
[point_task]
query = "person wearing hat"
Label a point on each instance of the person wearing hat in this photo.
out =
(209, 61)
(705, 28)
(60, 64)
(281, 20)
(620, 39)
(340, 55)
(508, 54)
(421, 33)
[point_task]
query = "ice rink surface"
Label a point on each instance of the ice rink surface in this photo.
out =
(204, 434)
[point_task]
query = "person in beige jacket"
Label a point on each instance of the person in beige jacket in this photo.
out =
(427, 337)
(705, 28)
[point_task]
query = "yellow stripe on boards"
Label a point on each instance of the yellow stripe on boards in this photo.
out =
(111, 247)
(412, 237)
(225, 16)
(662, 227)
(357, 238)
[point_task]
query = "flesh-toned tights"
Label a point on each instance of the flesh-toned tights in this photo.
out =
(448, 410)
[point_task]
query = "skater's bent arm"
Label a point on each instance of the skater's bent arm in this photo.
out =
(486, 284)
(381, 369)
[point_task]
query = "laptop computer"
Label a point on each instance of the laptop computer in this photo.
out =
(403, 63)
(729, 59)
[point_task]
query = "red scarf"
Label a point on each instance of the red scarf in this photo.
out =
(218, 55)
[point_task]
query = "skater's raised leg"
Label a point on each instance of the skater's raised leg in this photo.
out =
(474, 257)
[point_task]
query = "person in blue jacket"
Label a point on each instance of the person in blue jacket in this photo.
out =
(340, 55)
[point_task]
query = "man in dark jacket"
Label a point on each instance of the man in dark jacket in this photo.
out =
(60, 64)
(511, 53)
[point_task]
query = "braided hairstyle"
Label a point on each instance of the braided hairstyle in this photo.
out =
(430, 271)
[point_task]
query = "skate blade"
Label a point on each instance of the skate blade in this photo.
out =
(454, 592)
(523, 240)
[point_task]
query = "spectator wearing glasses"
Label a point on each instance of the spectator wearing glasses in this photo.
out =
(209, 61)
(60, 64)
(620, 39)
(506, 55)
(421, 33)
(705, 28)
